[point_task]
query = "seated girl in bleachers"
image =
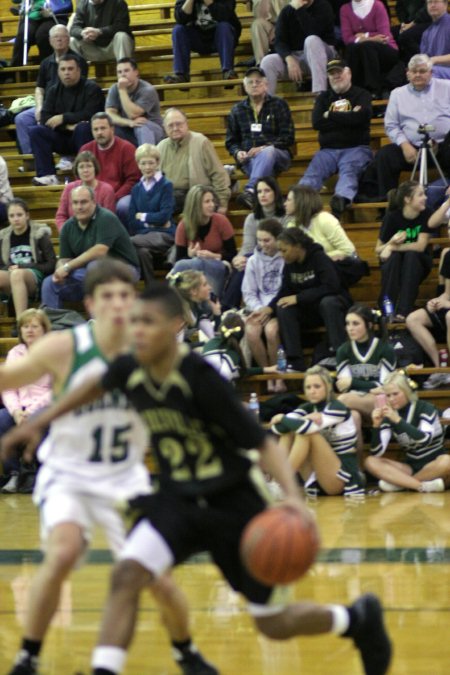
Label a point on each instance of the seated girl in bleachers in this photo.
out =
(363, 363)
(86, 169)
(204, 239)
(202, 309)
(415, 425)
(304, 209)
(224, 351)
(268, 204)
(320, 438)
(402, 247)
(262, 281)
(26, 255)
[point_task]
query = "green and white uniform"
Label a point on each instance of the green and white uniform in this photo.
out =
(338, 429)
(419, 433)
(367, 363)
(92, 457)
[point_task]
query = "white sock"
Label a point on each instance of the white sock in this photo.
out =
(340, 619)
(109, 658)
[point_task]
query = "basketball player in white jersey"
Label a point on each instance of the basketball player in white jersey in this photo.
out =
(90, 459)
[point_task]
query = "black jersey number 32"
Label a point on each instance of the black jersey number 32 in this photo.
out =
(207, 465)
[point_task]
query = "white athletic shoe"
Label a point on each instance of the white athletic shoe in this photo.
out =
(64, 164)
(436, 380)
(45, 180)
(11, 486)
(436, 485)
(389, 487)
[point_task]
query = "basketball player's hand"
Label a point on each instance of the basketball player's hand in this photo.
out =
(297, 504)
(27, 435)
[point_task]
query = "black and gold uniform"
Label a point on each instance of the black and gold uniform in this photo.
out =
(209, 484)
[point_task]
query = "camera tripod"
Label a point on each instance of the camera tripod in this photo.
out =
(421, 162)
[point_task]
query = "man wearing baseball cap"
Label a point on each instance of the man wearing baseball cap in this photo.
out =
(260, 133)
(341, 115)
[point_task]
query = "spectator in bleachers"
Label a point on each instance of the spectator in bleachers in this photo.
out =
(25, 401)
(86, 169)
(26, 255)
(262, 281)
(5, 190)
(304, 210)
(265, 13)
(101, 31)
(402, 247)
(47, 76)
(268, 204)
(260, 133)
(204, 239)
(431, 325)
(133, 106)
(116, 159)
(204, 26)
(150, 218)
(202, 311)
(424, 101)
(189, 158)
(304, 43)
(413, 21)
(311, 295)
(415, 425)
(90, 234)
(68, 106)
(370, 48)
(435, 40)
(40, 23)
(342, 116)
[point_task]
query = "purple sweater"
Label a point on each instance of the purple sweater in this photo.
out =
(375, 23)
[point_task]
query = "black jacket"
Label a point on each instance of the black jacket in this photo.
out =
(343, 129)
(310, 280)
(295, 25)
(76, 104)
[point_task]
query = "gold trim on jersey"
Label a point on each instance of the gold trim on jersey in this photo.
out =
(173, 379)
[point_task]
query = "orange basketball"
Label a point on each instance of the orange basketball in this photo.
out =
(278, 547)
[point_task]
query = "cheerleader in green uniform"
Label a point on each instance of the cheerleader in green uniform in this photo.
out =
(320, 438)
(363, 363)
(415, 425)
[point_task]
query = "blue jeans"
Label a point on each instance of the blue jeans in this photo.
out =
(349, 163)
(46, 141)
(6, 423)
(187, 39)
(214, 270)
(24, 121)
(436, 194)
(268, 162)
(54, 294)
(147, 133)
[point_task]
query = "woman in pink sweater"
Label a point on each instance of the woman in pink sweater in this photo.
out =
(87, 168)
(371, 50)
(25, 401)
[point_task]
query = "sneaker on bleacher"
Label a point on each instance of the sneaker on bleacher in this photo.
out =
(437, 380)
(64, 164)
(45, 180)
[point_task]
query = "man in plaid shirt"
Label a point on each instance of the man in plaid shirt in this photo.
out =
(260, 133)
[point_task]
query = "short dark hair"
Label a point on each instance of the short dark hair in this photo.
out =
(296, 237)
(102, 116)
(104, 271)
(271, 225)
(128, 59)
(70, 57)
(167, 296)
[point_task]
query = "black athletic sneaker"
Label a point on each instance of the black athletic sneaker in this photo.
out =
(369, 634)
(25, 664)
(192, 662)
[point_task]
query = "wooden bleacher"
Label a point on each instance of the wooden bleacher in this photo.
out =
(207, 101)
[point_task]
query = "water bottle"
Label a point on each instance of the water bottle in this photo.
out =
(253, 405)
(388, 307)
(281, 360)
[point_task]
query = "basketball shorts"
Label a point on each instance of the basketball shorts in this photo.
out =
(172, 527)
(86, 511)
